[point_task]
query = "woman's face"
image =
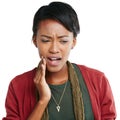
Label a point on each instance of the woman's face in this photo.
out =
(54, 43)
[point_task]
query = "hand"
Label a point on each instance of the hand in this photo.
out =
(40, 81)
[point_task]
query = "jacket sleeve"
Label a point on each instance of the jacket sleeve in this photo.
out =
(108, 111)
(12, 112)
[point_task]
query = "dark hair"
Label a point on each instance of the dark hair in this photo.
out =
(59, 11)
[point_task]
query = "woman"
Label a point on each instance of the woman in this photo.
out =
(58, 89)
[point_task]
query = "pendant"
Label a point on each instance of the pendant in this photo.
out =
(58, 108)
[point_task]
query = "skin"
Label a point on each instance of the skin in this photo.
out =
(54, 43)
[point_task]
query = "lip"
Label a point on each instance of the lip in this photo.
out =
(53, 60)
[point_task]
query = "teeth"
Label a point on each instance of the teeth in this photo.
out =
(53, 58)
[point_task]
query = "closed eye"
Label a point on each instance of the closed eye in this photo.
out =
(63, 41)
(45, 40)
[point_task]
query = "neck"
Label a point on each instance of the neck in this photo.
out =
(59, 77)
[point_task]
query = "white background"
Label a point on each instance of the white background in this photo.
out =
(97, 47)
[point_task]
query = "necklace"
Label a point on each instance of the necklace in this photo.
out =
(58, 103)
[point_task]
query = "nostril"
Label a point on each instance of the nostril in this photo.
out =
(54, 48)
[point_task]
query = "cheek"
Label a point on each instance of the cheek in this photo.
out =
(42, 51)
(66, 51)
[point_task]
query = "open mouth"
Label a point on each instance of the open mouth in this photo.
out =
(54, 61)
(53, 58)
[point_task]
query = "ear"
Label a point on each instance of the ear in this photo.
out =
(74, 43)
(34, 41)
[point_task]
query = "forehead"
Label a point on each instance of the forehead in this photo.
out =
(50, 26)
(49, 23)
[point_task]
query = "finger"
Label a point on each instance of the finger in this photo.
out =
(40, 74)
(41, 61)
(43, 67)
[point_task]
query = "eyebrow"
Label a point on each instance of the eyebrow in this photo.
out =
(62, 36)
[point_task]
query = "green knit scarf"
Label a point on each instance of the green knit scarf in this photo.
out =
(76, 93)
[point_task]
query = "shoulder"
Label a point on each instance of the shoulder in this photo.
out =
(94, 79)
(23, 78)
(89, 70)
(94, 76)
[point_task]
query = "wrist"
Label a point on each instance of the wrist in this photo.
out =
(43, 101)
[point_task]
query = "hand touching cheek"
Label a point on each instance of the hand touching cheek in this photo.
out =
(40, 81)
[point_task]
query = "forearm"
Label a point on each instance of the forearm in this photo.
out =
(38, 110)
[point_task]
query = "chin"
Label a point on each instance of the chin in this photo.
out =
(54, 68)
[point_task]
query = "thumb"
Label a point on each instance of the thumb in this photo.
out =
(43, 67)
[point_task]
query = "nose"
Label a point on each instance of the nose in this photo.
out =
(54, 47)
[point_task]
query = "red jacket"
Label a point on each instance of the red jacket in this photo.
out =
(21, 97)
